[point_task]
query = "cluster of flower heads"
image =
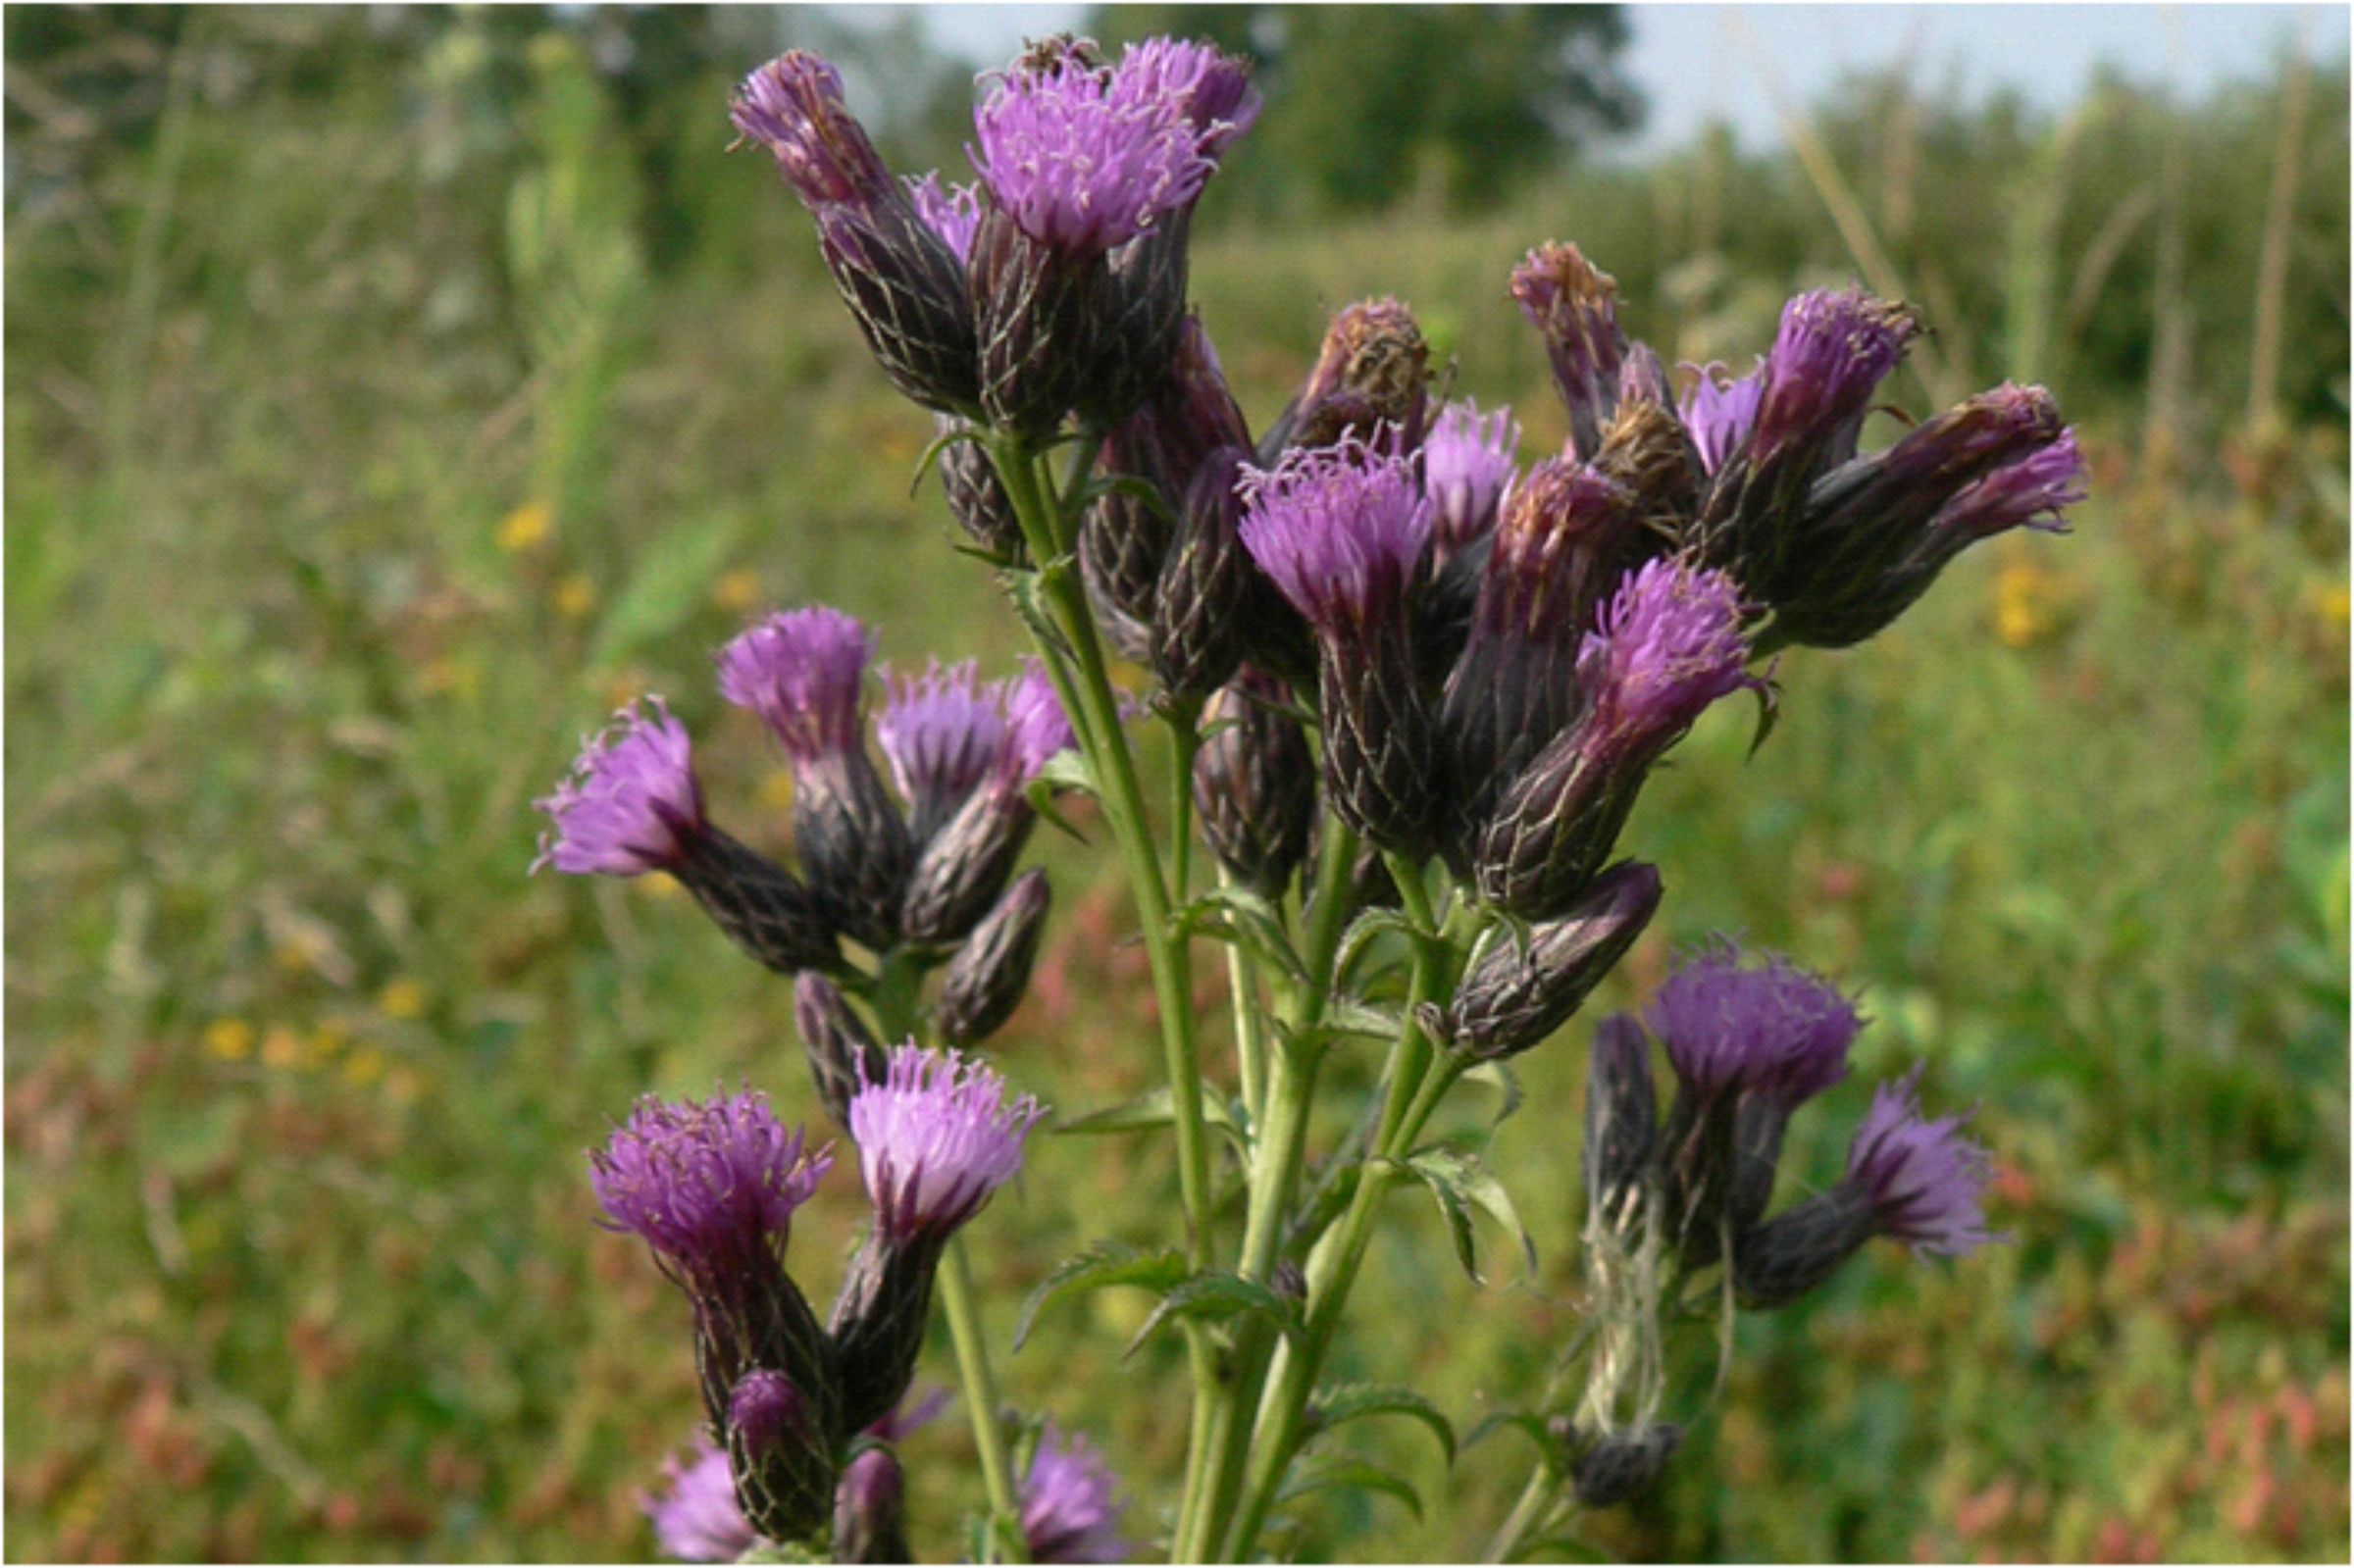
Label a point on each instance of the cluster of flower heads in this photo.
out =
(712, 1187)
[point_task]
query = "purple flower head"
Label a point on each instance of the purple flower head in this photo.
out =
(793, 106)
(708, 1185)
(936, 1137)
(1924, 1178)
(1668, 644)
(1575, 304)
(1468, 462)
(1718, 414)
(1081, 162)
(939, 731)
(765, 1408)
(802, 673)
(1776, 1028)
(951, 212)
(1212, 87)
(2032, 492)
(695, 1514)
(1829, 355)
(1340, 529)
(631, 802)
(1036, 726)
(1071, 1507)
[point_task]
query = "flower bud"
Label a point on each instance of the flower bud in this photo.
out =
(1513, 999)
(764, 909)
(870, 1510)
(783, 1461)
(1620, 1465)
(1373, 353)
(1254, 781)
(1575, 306)
(877, 1327)
(901, 282)
(1621, 1127)
(987, 979)
(842, 1053)
(964, 866)
(1790, 1254)
(977, 498)
(1205, 584)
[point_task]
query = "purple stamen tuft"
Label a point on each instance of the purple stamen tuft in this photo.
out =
(802, 673)
(936, 1137)
(632, 801)
(1924, 1178)
(1071, 1507)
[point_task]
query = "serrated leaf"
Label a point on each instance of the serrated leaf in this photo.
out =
(1504, 1081)
(1356, 1474)
(1105, 1264)
(1156, 1108)
(667, 585)
(1067, 770)
(1353, 1401)
(1215, 1295)
(1239, 916)
(1351, 1015)
(1770, 710)
(1460, 1182)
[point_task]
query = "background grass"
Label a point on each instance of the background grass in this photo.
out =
(373, 431)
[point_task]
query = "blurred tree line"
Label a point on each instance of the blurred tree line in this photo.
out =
(2180, 262)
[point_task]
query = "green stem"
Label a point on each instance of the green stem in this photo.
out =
(955, 1286)
(1536, 1500)
(1087, 693)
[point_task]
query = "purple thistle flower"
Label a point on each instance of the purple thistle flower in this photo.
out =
(793, 106)
(1071, 1509)
(1081, 163)
(1213, 89)
(633, 803)
(951, 212)
(695, 1513)
(1341, 530)
(1924, 1179)
(1037, 729)
(1718, 414)
(1467, 463)
(710, 1186)
(1667, 646)
(936, 1137)
(940, 734)
(2031, 492)
(1829, 355)
(1776, 1028)
(802, 673)
(1575, 304)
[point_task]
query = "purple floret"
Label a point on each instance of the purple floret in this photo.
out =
(1924, 1178)
(1037, 729)
(1340, 529)
(936, 1137)
(631, 803)
(2032, 492)
(939, 732)
(1081, 163)
(793, 106)
(951, 212)
(1718, 414)
(802, 672)
(1211, 88)
(695, 1514)
(708, 1185)
(1775, 1028)
(1468, 461)
(1071, 1509)
(1668, 644)
(1830, 353)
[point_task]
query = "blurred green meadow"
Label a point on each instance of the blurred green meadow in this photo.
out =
(384, 406)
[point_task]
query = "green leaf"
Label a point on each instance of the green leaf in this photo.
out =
(1504, 1081)
(1460, 1182)
(1214, 1296)
(1107, 1263)
(1243, 918)
(1363, 928)
(1156, 1108)
(1356, 1474)
(1353, 1401)
(1533, 1427)
(669, 584)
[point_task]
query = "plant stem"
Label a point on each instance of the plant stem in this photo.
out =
(956, 1285)
(1536, 1500)
(1085, 692)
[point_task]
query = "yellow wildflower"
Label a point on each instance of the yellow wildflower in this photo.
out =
(228, 1038)
(282, 1047)
(401, 998)
(525, 528)
(576, 597)
(364, 1066)
(737, 592)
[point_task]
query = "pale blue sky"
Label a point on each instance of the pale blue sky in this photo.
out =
(1692, 62)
